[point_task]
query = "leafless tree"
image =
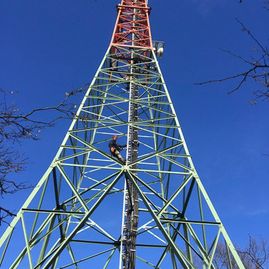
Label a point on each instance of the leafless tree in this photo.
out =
(17, 126)
(254, 256)
(256, 67)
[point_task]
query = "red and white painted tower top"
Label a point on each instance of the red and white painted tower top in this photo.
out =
(132, 27)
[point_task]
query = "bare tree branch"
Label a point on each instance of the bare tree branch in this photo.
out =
(254, 256)
(16, 126)
(252, 36)
(4, 213)
(257, 69)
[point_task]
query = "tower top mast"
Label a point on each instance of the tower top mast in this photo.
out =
(132, 28)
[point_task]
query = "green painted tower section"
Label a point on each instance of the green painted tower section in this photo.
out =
(92, 209)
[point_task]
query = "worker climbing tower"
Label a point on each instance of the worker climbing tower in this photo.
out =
(93, 210)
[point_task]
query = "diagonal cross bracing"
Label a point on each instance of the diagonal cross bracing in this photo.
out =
(93, 210)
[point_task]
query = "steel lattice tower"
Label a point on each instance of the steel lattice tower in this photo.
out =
(90, 210)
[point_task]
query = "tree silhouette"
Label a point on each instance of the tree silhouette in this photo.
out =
(17, 126)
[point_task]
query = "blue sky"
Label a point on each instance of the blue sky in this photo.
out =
(50, 47)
